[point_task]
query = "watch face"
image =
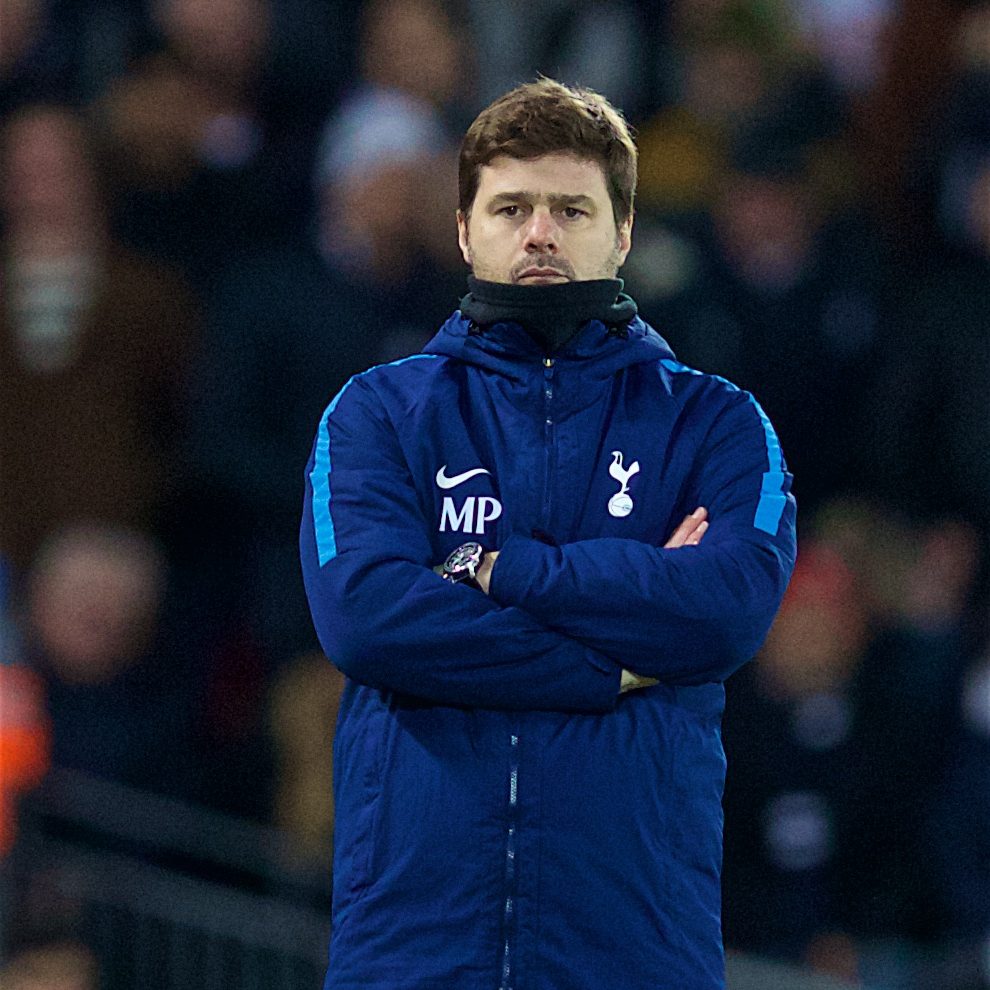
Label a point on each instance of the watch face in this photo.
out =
(463, 560)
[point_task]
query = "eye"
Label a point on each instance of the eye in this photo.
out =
(572, 212)
(510, 211)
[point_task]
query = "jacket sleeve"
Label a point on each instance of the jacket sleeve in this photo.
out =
(381, 613)
(684, 616)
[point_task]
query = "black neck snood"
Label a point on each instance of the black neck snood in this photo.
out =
(550, 314)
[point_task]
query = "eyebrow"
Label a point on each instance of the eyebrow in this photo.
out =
(554, 199)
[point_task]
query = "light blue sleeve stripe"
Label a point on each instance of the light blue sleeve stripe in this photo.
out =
(319, 477)
(773, 498)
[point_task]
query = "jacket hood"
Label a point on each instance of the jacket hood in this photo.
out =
(507, 349)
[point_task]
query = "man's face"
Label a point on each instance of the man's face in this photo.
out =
(539, 221)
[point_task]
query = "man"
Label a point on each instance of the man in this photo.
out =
(528, 769)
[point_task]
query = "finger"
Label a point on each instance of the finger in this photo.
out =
(686, 528)
(692, 538)
(678, 537)
(695, 538)
(677, 540)
(681, 533)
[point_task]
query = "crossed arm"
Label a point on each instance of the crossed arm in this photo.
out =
(556, 626)
(688, 534)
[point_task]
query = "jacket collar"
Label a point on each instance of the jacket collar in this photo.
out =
(551, 315)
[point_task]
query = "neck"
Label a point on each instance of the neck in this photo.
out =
(550, 314)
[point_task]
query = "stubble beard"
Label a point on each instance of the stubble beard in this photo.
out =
(609, 267)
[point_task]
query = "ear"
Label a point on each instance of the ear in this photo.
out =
(462, 235)
(624, 238)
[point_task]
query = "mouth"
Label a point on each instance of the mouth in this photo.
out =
(541, 275)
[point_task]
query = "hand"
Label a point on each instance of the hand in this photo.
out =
(690, 532)
(631, 681)
(483, 576)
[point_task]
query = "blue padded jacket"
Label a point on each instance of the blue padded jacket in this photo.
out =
(505, 819)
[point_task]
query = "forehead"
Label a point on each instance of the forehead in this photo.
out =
(555, 174)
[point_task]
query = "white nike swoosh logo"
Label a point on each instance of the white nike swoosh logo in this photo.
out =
(458, 479)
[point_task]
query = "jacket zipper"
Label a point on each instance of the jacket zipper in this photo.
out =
(547, 436)
(509, 907)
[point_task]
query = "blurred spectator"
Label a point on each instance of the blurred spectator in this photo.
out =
(912, 71)
(905, 712)
(960, 828)
(20, 52)
(59, 50)
(118, 707)
(383, 215)
(850, 37)
(55, 966)
(732, 66)
(303, 715)
(773, 136)
(217, 124)
(289, 325)
(725, 62)
(395, 37)
(781, 299)
(828, 805)
(788, 731)
(24, 744)
(566, 40)
(933, 394)
(877, 542)
(386, 169)
(92, 345)
(961, 818)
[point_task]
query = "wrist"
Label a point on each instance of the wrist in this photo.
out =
(470, 563)
(462, 563)
(483, 575)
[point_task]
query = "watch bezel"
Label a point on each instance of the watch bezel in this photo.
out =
(463, 562)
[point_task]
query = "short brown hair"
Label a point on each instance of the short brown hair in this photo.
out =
(545, 116)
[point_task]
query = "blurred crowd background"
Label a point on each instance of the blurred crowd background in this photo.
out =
(213, 212)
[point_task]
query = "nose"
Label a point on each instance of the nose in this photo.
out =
(541, 233)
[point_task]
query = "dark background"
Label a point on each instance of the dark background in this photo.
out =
(212, 214)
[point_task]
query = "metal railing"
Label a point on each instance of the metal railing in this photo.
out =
(166, 896)
(171, 896)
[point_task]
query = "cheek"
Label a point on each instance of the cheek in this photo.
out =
(596, 250)
(492, 243)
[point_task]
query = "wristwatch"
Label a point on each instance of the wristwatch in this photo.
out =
(463, 563)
